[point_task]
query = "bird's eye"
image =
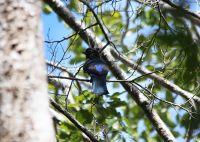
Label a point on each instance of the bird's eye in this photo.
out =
(90, 51)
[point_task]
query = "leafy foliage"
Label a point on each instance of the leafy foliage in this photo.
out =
(156, 45)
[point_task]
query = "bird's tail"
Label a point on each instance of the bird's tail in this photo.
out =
(99, 85)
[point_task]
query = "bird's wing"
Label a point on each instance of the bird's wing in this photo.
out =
(96, 67)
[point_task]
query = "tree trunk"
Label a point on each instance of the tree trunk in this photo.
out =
(24, 105)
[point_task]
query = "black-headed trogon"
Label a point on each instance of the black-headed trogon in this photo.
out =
(97, 69)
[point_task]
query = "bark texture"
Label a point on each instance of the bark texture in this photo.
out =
(24, 105)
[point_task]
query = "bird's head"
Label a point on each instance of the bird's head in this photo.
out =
(91, 53)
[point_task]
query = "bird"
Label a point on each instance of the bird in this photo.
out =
(97, 70)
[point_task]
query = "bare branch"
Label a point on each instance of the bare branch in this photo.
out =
(65, 69)
(181, 9)
(190, 128)
(167, 102)
(101, 3)
(66, 38)
(62, 77)
(165, 7)
(98, 21)
(165, 83)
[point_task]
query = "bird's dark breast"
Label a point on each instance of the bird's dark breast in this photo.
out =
(96, 67)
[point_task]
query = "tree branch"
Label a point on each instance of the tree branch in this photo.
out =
(165, 83)
(181, 9)
(96, 17)
(71, 78)
(190, 130)
(65, 69)
(98, 21)
(73, 120)
(165, 7)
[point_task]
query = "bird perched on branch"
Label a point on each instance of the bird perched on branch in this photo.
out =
(97, 70)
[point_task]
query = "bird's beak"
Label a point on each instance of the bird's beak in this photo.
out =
(84, 52)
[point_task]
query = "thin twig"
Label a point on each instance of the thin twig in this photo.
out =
(96, 17)
(182, 9)
(66, 38)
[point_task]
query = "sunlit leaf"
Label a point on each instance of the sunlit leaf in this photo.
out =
(46, 8)
(83, 116)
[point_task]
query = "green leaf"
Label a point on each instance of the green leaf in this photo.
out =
(80, 98)
(73, 4)
(117, 102)
(170, 124)
(169, 96)
(111, 122)
(114, 134)
(113, 112)
(69, 127)
(115, 84)
(46, 8)
(150, 67)
(116, 94)
(76, 137)
(51, 87)
(63, 135)
(59, 18)
(84, 117)
(175, 134)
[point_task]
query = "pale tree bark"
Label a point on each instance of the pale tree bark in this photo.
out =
(24, 104)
